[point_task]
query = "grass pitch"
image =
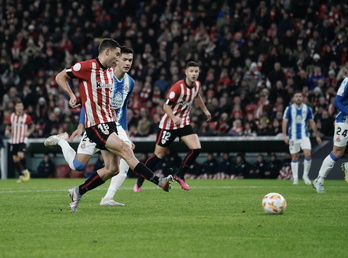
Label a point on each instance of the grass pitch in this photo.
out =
(216, 218)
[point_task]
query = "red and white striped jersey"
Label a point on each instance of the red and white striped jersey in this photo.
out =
(95, 84)
(181, 98)
(19, 127)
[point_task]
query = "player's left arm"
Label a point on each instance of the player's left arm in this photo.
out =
(315, 130)
(31, 126)
(31, 129)
(8, 130)
(200, 102)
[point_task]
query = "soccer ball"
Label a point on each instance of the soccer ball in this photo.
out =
(274, 203)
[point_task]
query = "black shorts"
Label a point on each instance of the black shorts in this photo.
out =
(100, 133)
(17, 147)
(167, 137)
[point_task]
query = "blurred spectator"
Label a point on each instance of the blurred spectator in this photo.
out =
(241, 168)
(248, 131)
(205, 129)
(313, 80)
(209, 167)
(237, 128)
(285, 171)
(46, 167)
(245, 48)
(224, 170)
(223, 124)
(264, 127)
(273, 167)
(258, 168)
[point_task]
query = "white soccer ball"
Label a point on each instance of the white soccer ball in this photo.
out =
(274, 203)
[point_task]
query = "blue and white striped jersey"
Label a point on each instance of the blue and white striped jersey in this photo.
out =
(298, 119)
(119, 99)
(341, 102)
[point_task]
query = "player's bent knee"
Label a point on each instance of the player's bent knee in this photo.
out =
(110, 174)
(77, 165)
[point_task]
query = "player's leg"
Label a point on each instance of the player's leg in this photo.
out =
(115, 184)
(121, 149)
(68, 152)
(326, 167)
(294, 167)
(23, 162)
(294, 149)
(98, 178)
(340, 141)
(306, 166)
(85, 150)
(306, 147)
(151, 162)
(18, 166)
(193, 143)
(117, 181)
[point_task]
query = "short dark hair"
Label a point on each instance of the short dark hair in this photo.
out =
(126, 50)
(18, 101)
(191, 64)
(108, 43)
(296, 91)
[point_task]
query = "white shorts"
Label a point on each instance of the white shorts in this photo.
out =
(296, 145)
(88, 147)
(340, 138)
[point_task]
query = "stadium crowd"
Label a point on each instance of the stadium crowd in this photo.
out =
(253, 55)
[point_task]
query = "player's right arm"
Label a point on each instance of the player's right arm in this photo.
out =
(169, 111)
(62, 80)
(8, 130)
(285, 126)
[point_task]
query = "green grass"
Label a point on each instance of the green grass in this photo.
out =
(216, 218)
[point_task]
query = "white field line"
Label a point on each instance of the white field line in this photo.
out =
(7, 191)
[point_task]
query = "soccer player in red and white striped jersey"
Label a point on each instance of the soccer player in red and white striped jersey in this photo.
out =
(176, 123)
(19, 127)
(96, 84)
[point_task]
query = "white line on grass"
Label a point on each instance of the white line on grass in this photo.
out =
(152, 188)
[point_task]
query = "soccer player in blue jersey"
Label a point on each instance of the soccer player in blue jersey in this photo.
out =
(340, 139)
(77, 161)
(296, 134)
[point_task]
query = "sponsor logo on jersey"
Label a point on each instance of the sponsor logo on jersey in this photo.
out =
(104, 85)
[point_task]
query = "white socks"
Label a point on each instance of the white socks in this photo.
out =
(68, 152)
(294, 170)
(117, 180)
(307, 167)
(325, 169)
